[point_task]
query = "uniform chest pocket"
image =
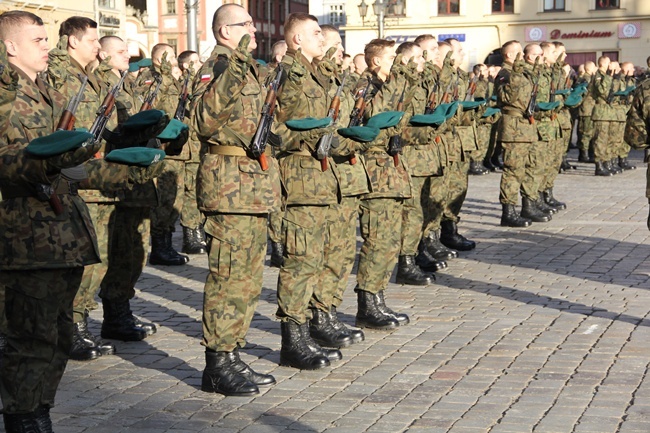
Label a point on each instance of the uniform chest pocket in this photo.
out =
(250, 101)
(253, 181)
(35, 127)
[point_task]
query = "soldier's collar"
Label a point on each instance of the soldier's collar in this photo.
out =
(306, 63)
(26, 85)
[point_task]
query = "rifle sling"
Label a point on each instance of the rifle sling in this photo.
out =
(233, 150)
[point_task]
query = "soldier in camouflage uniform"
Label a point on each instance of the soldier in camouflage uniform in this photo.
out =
(44, 252)
(483, 126)
(311, 193)
(235, 194)
(627, 70)
(585, 123)
(171, 185)
(381, 209)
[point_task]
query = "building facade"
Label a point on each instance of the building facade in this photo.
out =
(619, 29)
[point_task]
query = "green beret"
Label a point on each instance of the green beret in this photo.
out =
(308, 123)
(491, 111)
(57, 143)
(133, 67)
(143, 119)
(562, 91)
(363, 134)
(573, 99)
(493, 98)
(448, 110)
(261, 62)
(625, 92)
(173, 129)
(145, 63)
(548, 106)
(140, 156)
(433, 119)
(471, 105)
(385, 119)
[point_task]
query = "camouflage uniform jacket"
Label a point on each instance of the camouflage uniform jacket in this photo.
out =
(638, 118)
(386, 180)
(33, 236)
(225, 111)
(303, 180)
(588, 103)
(600, 88)
(513, 90)
(546, 122)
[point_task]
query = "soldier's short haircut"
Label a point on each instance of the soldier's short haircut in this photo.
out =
(558, 44)
(10, 21)
(328, 28)
(107, 40)
(221, 16)
(529, 47)
(406, 48)
(445, 44)
(295, 19)
(375, 48)
(278, 47)
(184, 57)
(423, 38)
(450, 40)
(647, 61)
(76, 26)
(602, 60)
(546, 45)
(158, 48)
(507, 45)
(477, 68)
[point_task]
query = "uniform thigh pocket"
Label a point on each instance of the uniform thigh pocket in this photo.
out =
(294, 236)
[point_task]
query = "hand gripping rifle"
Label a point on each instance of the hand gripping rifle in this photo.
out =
(432, 102)
(105, 110)
(395, 142)
(258, 146)
(356, 117)
(67, 120)
(148, 101)
(183, 97)
(325, 142)
(471, 89)
(532, 103)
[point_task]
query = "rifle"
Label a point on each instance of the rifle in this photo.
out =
(532, 104)
(611, 96)
(471, 89)
(67, 120)
(325, 142)
(105, 111)
(148, 101)
(395, 142)
(446, 97)
(183, 97)
(356, 116)
(432, 102)
(258, 146)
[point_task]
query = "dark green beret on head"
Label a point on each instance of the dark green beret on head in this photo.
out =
(140, 156)
(173, 129)
(308, 123)
(547, 106)
(57, 143)
(433, 119)
(386, 119)
(362, 134)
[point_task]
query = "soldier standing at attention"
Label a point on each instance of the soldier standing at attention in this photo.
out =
(637, 126)
(235, 194)
(42, 266)
(310, 191)
(585, 124)
(603, 115)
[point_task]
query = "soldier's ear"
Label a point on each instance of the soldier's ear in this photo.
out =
(73, 41)
(11, 48)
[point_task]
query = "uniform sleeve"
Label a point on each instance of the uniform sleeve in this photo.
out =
(636, 126)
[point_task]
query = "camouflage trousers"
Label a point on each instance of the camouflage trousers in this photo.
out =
(38, 309)
(435, 196)
(553, 160)
(171, 189)
(607, 136)
(585, 132)
(338, 255)
(103, 217)
(380, 222)
(127, 252)
(275, 226)
(522, 170)
(413, 216)
(305, 237)
(190, 214)
(458, 172)
(482, 142)
(236, 251)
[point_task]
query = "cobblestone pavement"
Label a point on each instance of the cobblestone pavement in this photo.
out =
(543, 329)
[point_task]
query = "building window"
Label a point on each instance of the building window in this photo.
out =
(171, 6)
(553, 5)
(448, 7)
(503, 6)
(337, 14)
(392, 9)
(173, 43)
(110, 4)
(607, 4)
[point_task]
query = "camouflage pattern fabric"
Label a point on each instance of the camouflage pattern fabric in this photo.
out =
(275, 226)
(190, 214)
(434, 201)
(637, 124)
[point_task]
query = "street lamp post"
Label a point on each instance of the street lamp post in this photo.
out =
(379, 8)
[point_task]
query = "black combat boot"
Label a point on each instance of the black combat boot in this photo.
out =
(510, 217)
(162, 251)
(119, 323)
(427, 262)
(551, 201)
(356, 334)
(330, 354)
(530, 211)
(435, 248)
(83, 349)
(369, 315)
(193, 242)
(402, 319)
(277, 254)
(609, 165)
(543, 207)
(565, 166)
(222, 376)
(584, 156)
(322, 331)
(624, 164)
(409, 273)
(295, 352)
(34, 422)
(105, 347)
(602, 170)
(249, 374)
(477, 169)
(450, 237)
